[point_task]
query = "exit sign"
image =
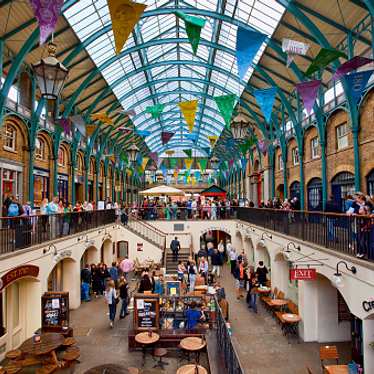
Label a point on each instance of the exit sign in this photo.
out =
(303, 274)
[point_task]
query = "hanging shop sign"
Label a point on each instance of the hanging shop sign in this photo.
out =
(303, 274)
(139, 247)
(17, 273)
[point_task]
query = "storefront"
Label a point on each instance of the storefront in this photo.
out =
(370, 183)
(295, 190)
(315, 194)
(10, 180)
(41, 186)
(79, 188)
(342, 185)
(63, 187)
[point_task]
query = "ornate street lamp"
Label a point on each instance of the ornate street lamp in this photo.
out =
(133, 152)
(214, 163)
(50, 74)
(240, 126)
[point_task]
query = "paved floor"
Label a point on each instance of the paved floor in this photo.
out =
(260, 344)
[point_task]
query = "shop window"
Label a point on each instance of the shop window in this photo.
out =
(342, 136)
(10, 138)
(295, 156)
(314, 146)
(40, 150)
(280, 162)
(61, 157)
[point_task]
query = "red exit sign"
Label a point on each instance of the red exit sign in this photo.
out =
(303, 274)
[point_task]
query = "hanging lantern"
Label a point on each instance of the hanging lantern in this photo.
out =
(214, 163)
(239, 127)
(133, 152)
(50, 74)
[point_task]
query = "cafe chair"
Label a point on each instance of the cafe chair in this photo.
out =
(328, 352)
(12, 369)
(68, 342)
(71, 356)
(160, 353)
(15, 354)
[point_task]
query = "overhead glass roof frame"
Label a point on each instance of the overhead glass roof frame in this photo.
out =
(160, 76)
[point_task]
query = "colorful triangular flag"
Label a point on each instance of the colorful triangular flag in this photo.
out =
(166, 136)
(265, 99)
(155, 110)
(292, 48)
(325, 57)
(352, 64)
(188, 162)
(225, 105)
(79, 123)
(188, 152)
(143, 133)
(203, 164)
(212, 140)
(189, 109)
(357, 82)
(308, 92)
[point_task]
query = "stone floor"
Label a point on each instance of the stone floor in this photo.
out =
(258, 339)
(261, 346)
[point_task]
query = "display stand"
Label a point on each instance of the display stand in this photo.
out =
(55, 312)
(146, 312)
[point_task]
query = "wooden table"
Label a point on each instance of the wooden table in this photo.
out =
(291, 318)
(337, 369)
(145, 340)
(193, 344)
(191, 369)
(49, 342)
(279, 302)
(263, 290)
(290, 325)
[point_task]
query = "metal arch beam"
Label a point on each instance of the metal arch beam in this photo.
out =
(370, 6)
(173, 144)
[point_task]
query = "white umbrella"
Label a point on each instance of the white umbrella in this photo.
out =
(162, 191)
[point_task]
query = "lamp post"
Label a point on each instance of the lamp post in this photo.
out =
(50, 74)
(239, 126)
(214, 162)
(133, 152)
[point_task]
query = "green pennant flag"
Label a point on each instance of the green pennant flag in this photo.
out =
(194, 26)
(225, 105)
(155, 110)
(325, 56)
(203, 163)
(188, 152)
(173, 162)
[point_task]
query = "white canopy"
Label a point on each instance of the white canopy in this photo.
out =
(162, 191)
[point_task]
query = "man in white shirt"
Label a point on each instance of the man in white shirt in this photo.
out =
(231, 252)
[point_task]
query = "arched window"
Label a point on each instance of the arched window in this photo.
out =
(295, 190)
(370, 182)
(10, 138)
(342, 185)
(80, 164)
(61, 157)
(40, 148)
(315, 194)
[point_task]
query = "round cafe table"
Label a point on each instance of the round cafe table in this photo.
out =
(337, 369)
(263, 290)
(191, 369)
(291, 321)
(193, 344)
(279, 302)
(145, 341)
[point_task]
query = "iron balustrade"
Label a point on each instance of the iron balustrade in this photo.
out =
(348, 234)
(26, 231)
(226, 346)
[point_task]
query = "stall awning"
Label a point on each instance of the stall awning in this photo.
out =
(214, 191)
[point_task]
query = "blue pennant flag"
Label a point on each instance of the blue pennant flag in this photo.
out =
(265, 99)
(143, 133)
(248, 43)
(357, 82)
(243, 162)
(192, 137)
(164, 171)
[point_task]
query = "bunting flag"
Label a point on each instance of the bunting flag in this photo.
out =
(47, 13)
(129, 172)
(193, 26)
(145, 162)
(159, 163)
(188, 152)
(153, 156)
(79, 123)
(263, 146)
(308, 92)
(293, 48)
(243, 163)
(143, 133)
(325, 57)
(231, 163)
(173, 162)
(125, 14)
(188, 162)
(244, 147)
(357, 82)
(102, 117)
(169, 152)
(212, 140)
(155, 111)
(203, 164)
(90, 129)
(166, 136)
(192, 137)
(66, 125)
(350, 65)
(164, 171)
(265, 99)
(189, 109)
(225, 105)
(248, 42)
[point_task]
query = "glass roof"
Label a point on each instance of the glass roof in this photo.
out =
(157, 64)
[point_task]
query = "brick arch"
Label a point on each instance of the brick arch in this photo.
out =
(47, 162)
(336, 111)
(341, 169)
(368, 94)
(80, 162)
(21, 128)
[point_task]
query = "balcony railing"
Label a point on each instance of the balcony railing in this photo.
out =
(351, 235)
(23, 232)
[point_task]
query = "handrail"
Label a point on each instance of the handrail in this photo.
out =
(145, 223)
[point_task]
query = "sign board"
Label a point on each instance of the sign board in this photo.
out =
(303, 274)
(17, 273)
(100, 205)
(146, 312)
(55, 311)
(173, 288)
(139, 247)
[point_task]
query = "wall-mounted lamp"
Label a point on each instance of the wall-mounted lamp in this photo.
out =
(292, 245)
(267, 235)
(51, 249)
(337, 279)
(250, 228)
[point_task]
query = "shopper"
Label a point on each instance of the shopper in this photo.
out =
(175, 247)
(216, 259)
(239, 274)
(180, 271)
(111, 299)
(231, 253)
(126, 266)
(261, 273)
(203, 268)
(113, 272)
(192, 272)
(124, 296)
(145, 284)
(86, 282)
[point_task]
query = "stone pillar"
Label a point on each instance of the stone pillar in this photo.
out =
(267, 183)
(71, 282)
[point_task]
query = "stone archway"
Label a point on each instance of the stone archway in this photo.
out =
(249, 249)
(106, 253)
(90, 256)
(262, 254)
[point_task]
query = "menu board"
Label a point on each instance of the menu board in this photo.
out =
(146, 312)
(173, 288)
(55, 311)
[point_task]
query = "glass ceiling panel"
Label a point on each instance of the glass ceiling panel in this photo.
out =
(183, 82)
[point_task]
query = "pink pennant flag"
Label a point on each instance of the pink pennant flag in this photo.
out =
(153, 156)
(47, 13)
(231, 163)
(65, 123)
(166, 136)
(308, 92)
(352, 64)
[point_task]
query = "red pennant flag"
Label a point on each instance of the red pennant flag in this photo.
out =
(166, 136)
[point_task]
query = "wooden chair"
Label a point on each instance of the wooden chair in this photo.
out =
(267, 299)
(160, 353)
(291, 307)
(12, 369)
(68, 342)
(47, 369)
(71, 355)
(15, 354)
(328, 352)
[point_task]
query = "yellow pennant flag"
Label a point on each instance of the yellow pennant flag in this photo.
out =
(102, 117)
(175, 173)
(145, 162)
(188, 162)
(169, 153)
(125, 14)
(90, 129)
(189, 109)
(129, 172)
(212, 140)
(188, 180)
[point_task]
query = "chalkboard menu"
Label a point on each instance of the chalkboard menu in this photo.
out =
(55, 311)
(146, 312)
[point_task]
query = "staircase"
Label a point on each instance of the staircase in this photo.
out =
(171, 265)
